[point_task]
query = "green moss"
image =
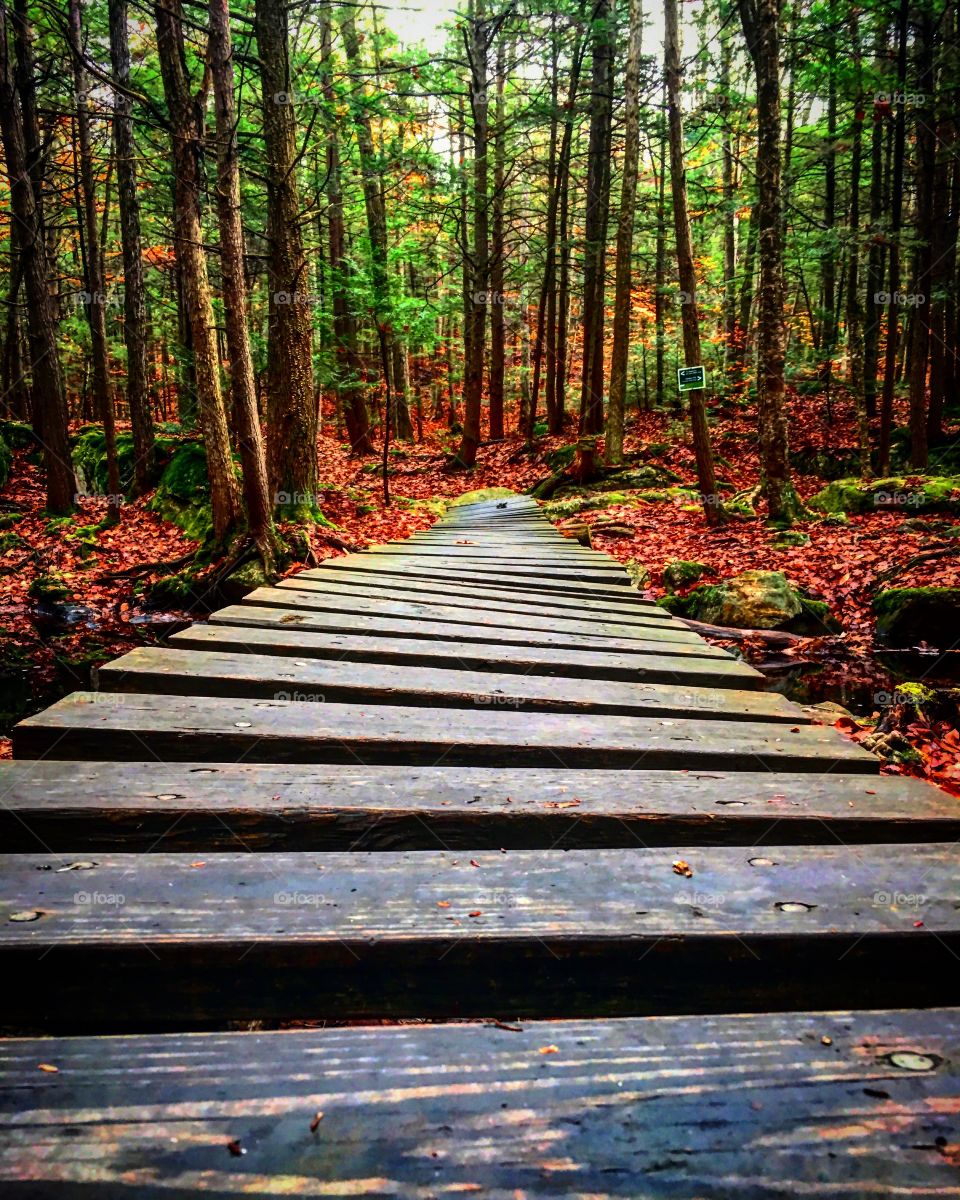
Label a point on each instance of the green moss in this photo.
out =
(815, 619)
(51, 589)
(183, 493)
(6, 461)
(653, 497)
(907, 616)
(895, 494)
(11, 541)
(790, 537)
(17, 435)
(558, 460)
(682, 572)
(10, 519)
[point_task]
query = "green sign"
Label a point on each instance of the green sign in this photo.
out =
(691, 379)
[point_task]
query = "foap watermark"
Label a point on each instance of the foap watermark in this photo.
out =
(301, 697)
(488, 700)
(99, 899)
(904, 99)
(496, 898)
(900, 899)
(494, 298)
(296, 899)
(84, 299)
(114, 499)
(295, 500)
(901, 299)
(709, 900)
(298, 299)
(897, 499)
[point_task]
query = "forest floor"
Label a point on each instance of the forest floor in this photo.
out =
(49, 643)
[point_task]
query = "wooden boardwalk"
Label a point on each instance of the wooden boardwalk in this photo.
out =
(469, 776)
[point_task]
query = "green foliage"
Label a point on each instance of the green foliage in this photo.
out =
(183, 493)
(896, 494)
(908, 616)
(51, 588)
(6, 461)
(683, 572)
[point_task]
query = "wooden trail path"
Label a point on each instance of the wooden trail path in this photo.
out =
(677, 938)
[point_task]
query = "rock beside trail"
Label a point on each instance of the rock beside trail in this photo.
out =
(902, 494)
(682, 572)
(754, 600)
(908, 616)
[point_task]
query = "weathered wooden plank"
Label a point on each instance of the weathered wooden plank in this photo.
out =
(609, 576)
(820, 1105)
(502, 555)
(433, 591)
(546, 584)
(662, 686)
(488, 617)
(87, 725)
(459, 656)
(304, 620)
(85, 808)
(438, 933)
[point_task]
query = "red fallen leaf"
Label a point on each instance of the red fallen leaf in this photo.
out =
(918, 924)
(315, 1123)
(474, 863)
(551, 1049)
(198, 864)
(235, 1148)
(681, 867)
(443, 904)
(478, 913)
(48, 1067)
(846, 724)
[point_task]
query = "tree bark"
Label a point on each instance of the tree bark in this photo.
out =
(253, 457)
(134, 304)
(498, 329)
(186, 136)
(477, 38)
(760, 21)
(926, 143)
(855, 345)
(713, 512)
(95, 284)
(595, 237)
(616, 403)
(291, 403)
(49, 397)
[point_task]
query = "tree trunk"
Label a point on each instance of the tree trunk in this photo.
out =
(477, 38)
(613, 438)
(350, 374)
(95, 285)
(926, 152)
(893, 282)
(854, 306)
(595, 237)
(20, 147)
(660, 268)
(712, 508)
(253, 456)
(134, 304)
(498, 329)
(874, 281)
(291, 403)
(186, 136)
(728, 183)
(760, 21)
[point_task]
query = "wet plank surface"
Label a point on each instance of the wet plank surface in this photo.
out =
(236, 936)
(825, 1105)
(662, 685)
(151, 806)
(87, 725)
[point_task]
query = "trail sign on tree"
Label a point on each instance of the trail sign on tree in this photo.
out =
(691, 379)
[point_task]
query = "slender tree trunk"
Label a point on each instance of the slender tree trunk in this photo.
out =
(477, 41)
(498, 330)
(874, 282)
(595, 236)
(712, 508)
(613, 437)
(96, 286)
(926, 143)
(291, 403)
(728, 183)
(855, 344)
(828, 329)
(134, 304)
(893, 284)
(760, 21)
(49, 397)
(253, 455)
(660, 268)
(186, 136)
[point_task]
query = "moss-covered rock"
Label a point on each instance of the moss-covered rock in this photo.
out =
(183, 493)
(50, 589)
(750, 600)
(17, 435)
(639, 575)
(682, 572)
(6, 460)
(905, 494)
(788, 538)
(907, 616)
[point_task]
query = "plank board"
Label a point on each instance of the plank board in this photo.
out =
(426, 591)
(609, 576)
(546, 583)
(682, 687)
(804, 1104)
(149, 806)
(446, 933)
(460, 656)
(88, 725)
(296, 620)
(488, 617)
